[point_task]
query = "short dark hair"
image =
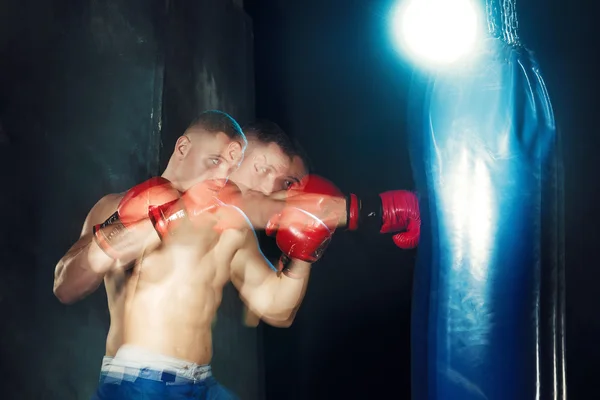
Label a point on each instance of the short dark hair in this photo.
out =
(300, 152)
(215, 121)
(267, 132)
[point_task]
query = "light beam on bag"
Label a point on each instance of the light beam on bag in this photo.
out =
(436, 32)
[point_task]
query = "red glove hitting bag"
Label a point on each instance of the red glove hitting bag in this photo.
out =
(395, 211)
(111, 236)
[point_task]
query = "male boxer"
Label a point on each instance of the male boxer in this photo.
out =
(112, 242)
(154, 337)
(210, 149)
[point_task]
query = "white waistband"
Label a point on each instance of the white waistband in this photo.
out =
(130, 358)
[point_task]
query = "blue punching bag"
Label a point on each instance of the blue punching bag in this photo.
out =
(488, 303)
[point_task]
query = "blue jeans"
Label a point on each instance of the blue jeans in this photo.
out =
(135, 374)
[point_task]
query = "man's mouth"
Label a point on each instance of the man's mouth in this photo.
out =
(216, 184)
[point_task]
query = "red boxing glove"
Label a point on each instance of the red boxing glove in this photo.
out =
(320, 197)
(400, 212)
(395, 211)
(201, 198)
(133, 207)
(305, 237)
(307, 223)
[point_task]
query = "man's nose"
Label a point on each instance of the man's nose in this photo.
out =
(232, 166)
(267, 186)
(222, 172)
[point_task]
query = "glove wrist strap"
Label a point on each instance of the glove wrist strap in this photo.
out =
(370, 214)
(161, 217)
(107, 232)
(352, 212)
(294, 272)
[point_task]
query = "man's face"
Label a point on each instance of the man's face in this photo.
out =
(209, 156)
(266, 168)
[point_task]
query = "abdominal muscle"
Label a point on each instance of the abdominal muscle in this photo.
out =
(173, 294)
(168, 318)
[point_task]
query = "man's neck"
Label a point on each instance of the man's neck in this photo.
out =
(171, 176)
(242, 188)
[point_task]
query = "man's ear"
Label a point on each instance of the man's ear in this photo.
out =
(259, 161)
(182, 147)
(235, 151)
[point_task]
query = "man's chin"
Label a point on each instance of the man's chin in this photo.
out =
(241, 186)
(216, 184)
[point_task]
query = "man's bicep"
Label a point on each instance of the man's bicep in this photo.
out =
(100, 212)
(251, 272)
(88, 224)
(71, 286)
(260, 208)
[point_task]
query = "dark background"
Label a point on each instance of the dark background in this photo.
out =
(327, 71)
(93, 95)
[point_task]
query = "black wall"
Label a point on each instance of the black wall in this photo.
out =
(325, 72)
(92, 97)
(328, 71)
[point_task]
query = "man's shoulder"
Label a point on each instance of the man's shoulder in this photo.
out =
(232, 217)
(230, 193)
(105, 207)
(110, 200)
(101, 211)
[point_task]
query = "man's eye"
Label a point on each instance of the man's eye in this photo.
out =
(289, 184)
(215, 161)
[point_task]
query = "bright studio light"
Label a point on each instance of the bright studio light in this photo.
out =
(436, 31)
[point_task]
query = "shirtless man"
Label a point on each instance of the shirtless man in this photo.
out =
(160, 316)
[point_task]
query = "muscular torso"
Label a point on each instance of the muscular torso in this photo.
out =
(167, 301)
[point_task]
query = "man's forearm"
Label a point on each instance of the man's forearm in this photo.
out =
(287, 290)
(80, 271)
(83, 268)
(124, 245)
(260, 209)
